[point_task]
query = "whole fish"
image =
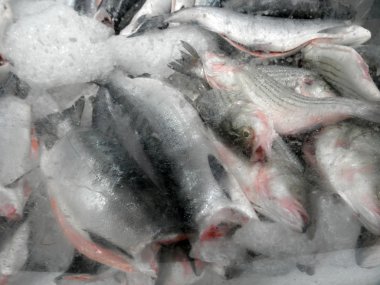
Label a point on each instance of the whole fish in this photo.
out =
(276, 188)
(150, 9)
(176, 144)
(290, 112)
(117, 13)
(153, 51)
(343, 68)
(347, 157)
(125, 198)
(257, 34)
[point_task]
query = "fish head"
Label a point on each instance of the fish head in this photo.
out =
(253, 130)
(280, 197)
(351, 35)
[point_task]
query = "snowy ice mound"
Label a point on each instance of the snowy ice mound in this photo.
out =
(58, 47)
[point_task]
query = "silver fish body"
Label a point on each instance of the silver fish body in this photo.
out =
(101, 196)
(150, 9)
(347, 157)
(290, 112)
(276, 188)
(175, 141)
(344, 69)
(270, 34)
(304, 81)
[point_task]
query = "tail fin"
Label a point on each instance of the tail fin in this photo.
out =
(190, 62)
(56, 125)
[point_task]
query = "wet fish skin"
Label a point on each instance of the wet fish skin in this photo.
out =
(180, 4)
(150, 9)
(270, 34)
(158, 49)
(104, 181)
(117, 13)
(176, 143)
(344, 69)
(275, 188)
(346, 155)
(303, 81)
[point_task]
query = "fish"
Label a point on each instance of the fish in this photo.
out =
(234, 118)
(152, 51)
(151, 8)
(177, 267)
(208, 3)
(270, 37)
(177, 145)
(117, 13)
(347, 158)
(181, 4)
(276, 188)
(268, 95)
(370, 54)
(303, 81)
(343, 68)
(123, 195)
(368, 250)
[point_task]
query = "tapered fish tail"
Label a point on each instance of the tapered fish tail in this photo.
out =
(368, 111)
(190, 62)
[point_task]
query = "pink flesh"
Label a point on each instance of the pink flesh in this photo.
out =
(308, 150)
(261, 183)
(4, 280)
(348, 173)
(10, 212)
(177, 238)
(263, 140)
(87, 247)
(80, 277)
(34, 145)
(295, 208)
(213, 232)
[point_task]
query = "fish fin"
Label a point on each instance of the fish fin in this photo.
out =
(146, 24)
(55, 126)
(107, 244)
(190, 62)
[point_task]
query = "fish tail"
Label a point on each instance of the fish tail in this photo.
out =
(190, 62)
(368, 111)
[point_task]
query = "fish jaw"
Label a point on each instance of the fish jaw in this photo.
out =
(104, 17)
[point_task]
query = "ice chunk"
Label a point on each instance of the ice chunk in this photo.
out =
(70, 49)
(25, 8)
(15, 126)
(273, 239)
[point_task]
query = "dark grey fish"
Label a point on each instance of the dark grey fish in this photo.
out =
(175, 142)
(118, 13)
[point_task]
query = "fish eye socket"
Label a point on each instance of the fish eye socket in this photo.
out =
(246, 133)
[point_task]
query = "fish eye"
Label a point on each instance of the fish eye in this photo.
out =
(246, 133)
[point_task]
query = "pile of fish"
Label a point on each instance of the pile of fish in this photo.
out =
(188, 142)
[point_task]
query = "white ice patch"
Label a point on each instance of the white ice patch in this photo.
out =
(58, 47)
